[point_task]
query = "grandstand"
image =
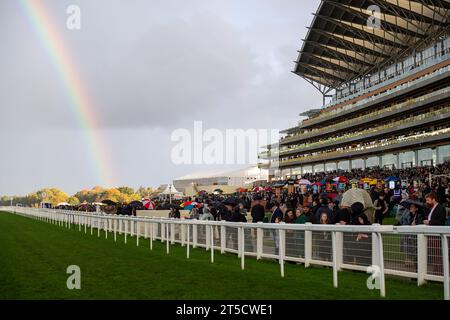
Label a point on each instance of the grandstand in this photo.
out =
(388, 83)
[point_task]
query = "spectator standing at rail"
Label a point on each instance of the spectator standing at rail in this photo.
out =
(436, 216)
(258, 212)
(276, 217)
(323, 209)
(381, 208)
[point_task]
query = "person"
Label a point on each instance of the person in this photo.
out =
(381, 208)
(207, 215)
(408, 243)
(300, 217)
(276, 217)
(343, 216)
(323, 209)
(257, 212)
(242, 210)
(307, 211)
(323, 218)
(437, 215)
(232, 214)
(194, 214)
(289, 218)
(276, 212)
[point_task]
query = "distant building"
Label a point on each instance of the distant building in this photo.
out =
(243, 178)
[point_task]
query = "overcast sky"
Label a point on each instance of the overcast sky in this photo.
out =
(150, 67)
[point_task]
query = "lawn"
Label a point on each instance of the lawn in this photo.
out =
(34, 256)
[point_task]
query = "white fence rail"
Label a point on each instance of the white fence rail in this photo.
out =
(420, 252)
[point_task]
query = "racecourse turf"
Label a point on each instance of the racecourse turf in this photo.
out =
(34, 256)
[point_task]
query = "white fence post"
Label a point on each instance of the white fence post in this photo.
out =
(172, 233)
(194, 236)
(422, 257)
(381, 265)
(281, 249)
(335, 259)
(188, 240)
(211, 237)
(259, 242)
(445, 266)
(308, 246)
(137, 233)
(242, 247)
(126, 229)
(115, 230)
(339, 250)
(223, 239)
(167, 227)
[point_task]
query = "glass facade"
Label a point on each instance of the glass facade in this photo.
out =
(358, 164)
(307, 169)
(331, 167)
(427, 157)
(407, 159)
(372, 162)
(344, 165)
(319, 168)
(389, 160)
(444, 154)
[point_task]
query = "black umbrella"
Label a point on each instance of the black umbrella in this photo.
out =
(408, 202)
(109, 202)
(136, 204)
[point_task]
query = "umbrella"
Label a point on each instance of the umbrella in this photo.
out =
(218, 190)
(191, 206)
(148, 204)
(354, 181)
(109, 202)
(357, 195)
(340, 179)
(408, 202)
(392, 178)
(136, 204)
(304, 182)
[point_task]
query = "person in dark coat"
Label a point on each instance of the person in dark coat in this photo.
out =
(276, 217)
(436, 216)
(258, 212)
(323, 209)
(276, 213)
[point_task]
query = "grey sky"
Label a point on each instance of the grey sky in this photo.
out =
(150, 67)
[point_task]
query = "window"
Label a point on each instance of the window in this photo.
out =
(344, 165)
(319, 168)
(407, 158)
(389, 161)
(444, 154)
(372, 162)
(331, 167)
(358, 164)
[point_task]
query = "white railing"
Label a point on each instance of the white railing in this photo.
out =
(419, 252)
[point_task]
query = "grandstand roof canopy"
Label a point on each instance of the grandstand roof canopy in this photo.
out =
(342, 46)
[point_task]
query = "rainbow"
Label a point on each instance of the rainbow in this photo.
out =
(79, 101)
